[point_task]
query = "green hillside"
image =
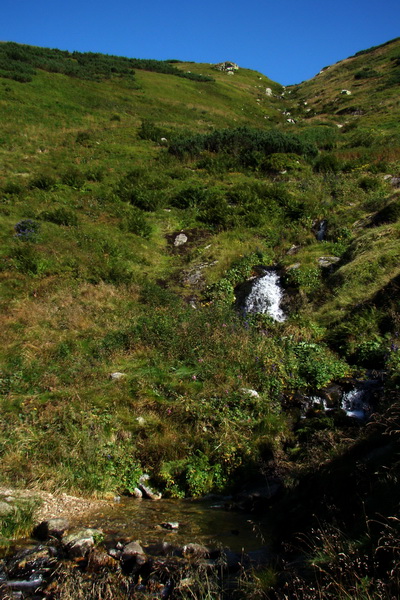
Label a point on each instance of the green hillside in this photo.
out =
(105, 161)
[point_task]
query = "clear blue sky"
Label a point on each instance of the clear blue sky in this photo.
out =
(288, 41)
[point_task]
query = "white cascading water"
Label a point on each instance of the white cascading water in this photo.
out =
(355, 404)
(265, 297)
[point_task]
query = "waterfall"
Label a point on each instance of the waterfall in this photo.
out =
(321, 231)
(265, 297)
(356, 404)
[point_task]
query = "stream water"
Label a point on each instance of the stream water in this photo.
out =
(357, 402)
(265, 296)
(203, 522)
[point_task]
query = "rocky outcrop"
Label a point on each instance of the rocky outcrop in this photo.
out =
(227, 66)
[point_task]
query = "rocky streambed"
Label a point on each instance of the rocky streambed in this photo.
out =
(132, 548)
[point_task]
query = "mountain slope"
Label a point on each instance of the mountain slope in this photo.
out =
(102, 170)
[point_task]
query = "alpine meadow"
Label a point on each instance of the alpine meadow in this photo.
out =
(141, 202)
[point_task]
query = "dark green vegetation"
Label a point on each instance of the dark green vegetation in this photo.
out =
(102, 169)
(19, 62)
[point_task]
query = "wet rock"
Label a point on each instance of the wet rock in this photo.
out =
(163, 549)
(51, 528)
(130, 550)
(195, 551)
(170, 525)
(28, 585)
(114, 553)
(333, 395)
(293, 266)
(137, 493)
(31, 563)
(133, 557)
(100, 560)
(180, 239)
(256, 498)
(147, 490)
(78, 543)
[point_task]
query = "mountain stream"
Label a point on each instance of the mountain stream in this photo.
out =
(265, 296)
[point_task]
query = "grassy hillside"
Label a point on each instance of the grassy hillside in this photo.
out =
(102, 168)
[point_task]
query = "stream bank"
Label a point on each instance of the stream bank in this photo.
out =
(143, 548)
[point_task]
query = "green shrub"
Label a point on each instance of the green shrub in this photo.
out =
(389, 214)
(83, 138)
(327, 163)
(324, 137)
(142, 189)
(370, 353)
(60, 216)
(194, 476)
(135, 222)
(217, 165)
(366, 73)
(19, 62)
(216, 212)
(12, 187)
(249, 146)
(149, 131)
(95, 174)
(43, 182)
(27, 260)
(317, 366)
(73, 177)
(306, 278)
(279, 162)
(369, 184)
(194, 196)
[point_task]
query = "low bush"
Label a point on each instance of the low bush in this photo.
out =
(369, 184)
(389, 214)
(249, 146)
(135, 222)
(83, 138)
(12, 187)
(60, 216)
(142, 189)
(27, 230)
(43, 182)
(73, 177)
(327, 163)
(149, 131)
(366, 73)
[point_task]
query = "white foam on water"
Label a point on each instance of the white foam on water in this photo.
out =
(265, 297)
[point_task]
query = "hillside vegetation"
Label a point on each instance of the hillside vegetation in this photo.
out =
(105, 161)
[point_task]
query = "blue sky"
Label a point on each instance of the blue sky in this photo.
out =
(287, 41)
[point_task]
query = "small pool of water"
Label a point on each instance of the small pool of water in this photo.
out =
(202, 522)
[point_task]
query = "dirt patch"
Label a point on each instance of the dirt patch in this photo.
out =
(53, 506)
